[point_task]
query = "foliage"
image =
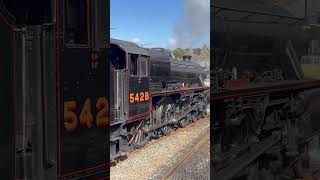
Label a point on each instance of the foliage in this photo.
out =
(178, 53)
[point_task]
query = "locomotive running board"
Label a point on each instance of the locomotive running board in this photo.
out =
(274, 87)
(167, 93)
(244, 160)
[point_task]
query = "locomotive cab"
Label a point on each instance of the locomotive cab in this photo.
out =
(130, 77)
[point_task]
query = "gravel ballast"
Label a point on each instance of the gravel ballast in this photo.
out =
(159, 156)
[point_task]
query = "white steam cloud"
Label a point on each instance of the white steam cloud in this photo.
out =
(195, 24)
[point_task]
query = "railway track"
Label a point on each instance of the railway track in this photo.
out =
(158, 157)
(194, 151)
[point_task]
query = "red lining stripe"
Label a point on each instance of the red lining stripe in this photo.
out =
(270, 90)
(86, 170)
(6, 20)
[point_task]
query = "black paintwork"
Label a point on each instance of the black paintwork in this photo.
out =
(69, 73)
(138, 85)
(30, 12)
(166, 70)
(6, 99)
(82, 77)
(163, 70)
(86, 147)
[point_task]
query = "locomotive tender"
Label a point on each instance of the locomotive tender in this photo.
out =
(54, 97)
(261, 126)
(152, 95)
(62, 83)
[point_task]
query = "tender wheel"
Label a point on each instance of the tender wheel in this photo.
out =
(140, 139)
(166, 130)
(183, 122)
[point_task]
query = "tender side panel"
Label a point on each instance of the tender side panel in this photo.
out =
(84, 96)
(84, 106)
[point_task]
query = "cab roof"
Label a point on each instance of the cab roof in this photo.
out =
(129, 47)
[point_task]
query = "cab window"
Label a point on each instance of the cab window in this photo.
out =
(134, 65)
(143, 67)
(76, 22)
(138, 65)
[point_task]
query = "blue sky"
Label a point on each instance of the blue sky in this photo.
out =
(149, 22)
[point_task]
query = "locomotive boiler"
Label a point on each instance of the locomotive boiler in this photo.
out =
(152, 95)
(261, 126)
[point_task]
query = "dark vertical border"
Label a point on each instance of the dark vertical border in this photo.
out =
(58, 41)
(14, 100)
(4, 15)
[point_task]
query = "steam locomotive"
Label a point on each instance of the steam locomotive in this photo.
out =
(54, 95)
(67, 93)
(152, 95)
(261, 126)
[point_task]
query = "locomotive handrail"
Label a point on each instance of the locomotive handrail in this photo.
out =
(47, 162)
(252, 13)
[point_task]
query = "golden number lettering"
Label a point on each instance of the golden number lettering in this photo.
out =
(131, 98)
(141, 97)
(86, 118)
(146, 96)
(102, 116)
(137, 97)
(70, 118)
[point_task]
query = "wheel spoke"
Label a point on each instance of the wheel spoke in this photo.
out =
(140, 139)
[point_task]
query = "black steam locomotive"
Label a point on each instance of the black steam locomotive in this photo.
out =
(59, 91)
(261, 126)
(152, 95)
(54, 95)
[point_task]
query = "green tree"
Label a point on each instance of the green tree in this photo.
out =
(197, 51)
(178, 53)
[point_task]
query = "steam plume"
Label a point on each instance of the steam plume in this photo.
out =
(195, 24)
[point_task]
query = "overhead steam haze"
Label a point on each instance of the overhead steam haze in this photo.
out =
(194, 27)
